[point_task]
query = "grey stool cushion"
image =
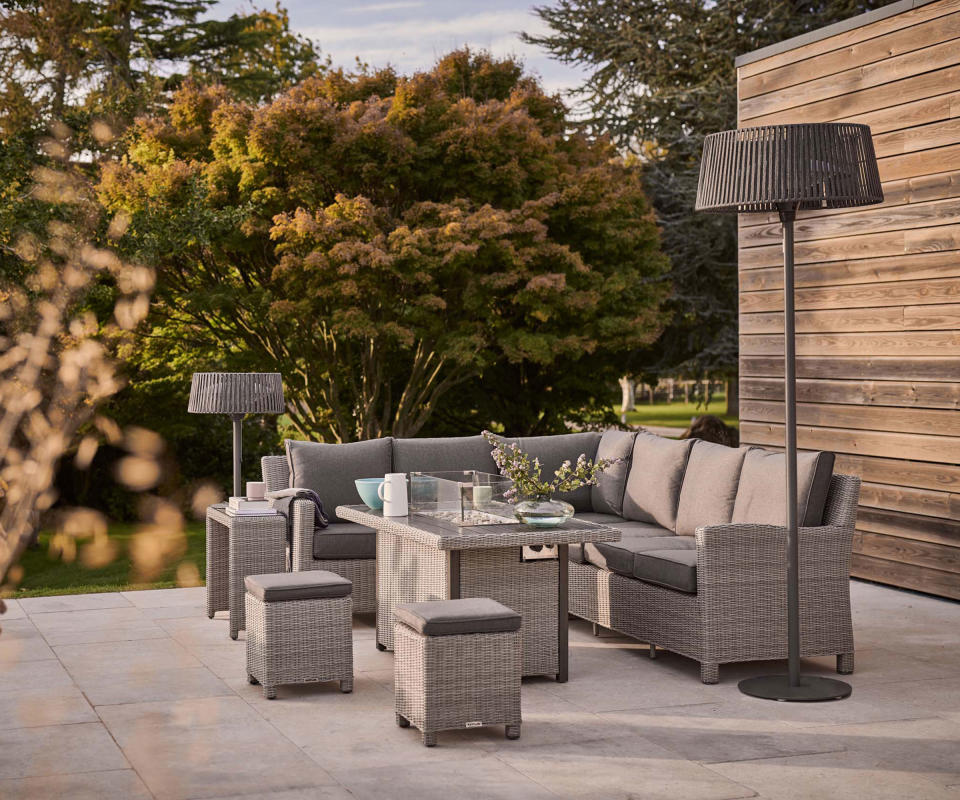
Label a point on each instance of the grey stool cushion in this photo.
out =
(762, 496)
(331, 469)
(607, 495)
(344, 540)
(307, 585)
(656, 474)
(455, 617)
(709, 486)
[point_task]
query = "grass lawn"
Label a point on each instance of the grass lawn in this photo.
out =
(676, 414)
(45, 575)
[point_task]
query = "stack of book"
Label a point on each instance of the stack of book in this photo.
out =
(245, 507)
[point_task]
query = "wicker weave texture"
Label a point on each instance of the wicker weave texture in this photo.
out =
(454, 682)
(805, 166)
(738, 611)
(276, 472)
(218, 566)
(257, 545)
(236, 393)
(299, 641)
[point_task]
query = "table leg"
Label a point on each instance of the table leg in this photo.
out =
(257, 546)
(563, 616)
(218, 565)
(454, 589)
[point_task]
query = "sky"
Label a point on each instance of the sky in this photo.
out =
(412, 34)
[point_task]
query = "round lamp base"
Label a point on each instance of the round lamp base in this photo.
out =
(812, 689)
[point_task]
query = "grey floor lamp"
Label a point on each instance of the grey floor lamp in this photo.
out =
(786, 168)
(236, 394)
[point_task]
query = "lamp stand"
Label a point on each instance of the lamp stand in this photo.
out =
(237, 454)
(792, 687)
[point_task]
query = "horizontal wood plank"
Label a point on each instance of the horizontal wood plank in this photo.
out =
(910, 526)
(879, 368)
(876, 343)
(924, 162)
(933, 421)
(841, 248)
(923, 137)
(847, 39)
(868, 220)
(865, 393)
(916, 447)
(865, 270)
(908, 551)
(925, 502)
(859, 295)
(919, 112)
(921, 579)
(900, 472)
(889, 318)
(878, 48)
(889, 95)
(920, 189)
(881, 73)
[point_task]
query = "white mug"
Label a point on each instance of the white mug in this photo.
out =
(393, 492)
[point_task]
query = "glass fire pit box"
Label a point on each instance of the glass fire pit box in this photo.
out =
(462, 498)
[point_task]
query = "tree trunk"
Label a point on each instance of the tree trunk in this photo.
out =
(733, 397)
(628, 397)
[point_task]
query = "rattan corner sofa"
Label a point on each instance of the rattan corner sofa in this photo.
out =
(700, 568)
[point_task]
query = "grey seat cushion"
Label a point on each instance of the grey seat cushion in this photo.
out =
(331, 469)
(674, 567)
(709, 486)
(441, 454)
(600, 519)
(618, 556)
(297, 585)
(655, 477)
(761, 495)
(342, 540)
(457, 617)
(607, 496)
(554, 450)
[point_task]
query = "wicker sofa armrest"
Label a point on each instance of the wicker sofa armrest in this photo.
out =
(751, 554)
(303, 526)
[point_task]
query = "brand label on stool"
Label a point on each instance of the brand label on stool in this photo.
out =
(475, 724)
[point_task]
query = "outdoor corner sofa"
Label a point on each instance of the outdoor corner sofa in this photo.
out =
(700, 569)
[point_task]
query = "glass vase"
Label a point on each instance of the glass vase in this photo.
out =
(543, 512)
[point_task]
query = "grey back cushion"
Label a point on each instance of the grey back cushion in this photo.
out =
(554, 450)
(331, 469)
(761, 496)
(709, 486)
(607, 496)
(654, 479)
(437, 455)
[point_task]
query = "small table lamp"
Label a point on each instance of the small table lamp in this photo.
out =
(236, 394)
(784, 168)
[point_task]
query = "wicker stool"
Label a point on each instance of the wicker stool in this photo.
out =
(299, 629)
(457, 664)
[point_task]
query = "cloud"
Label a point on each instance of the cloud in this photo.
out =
(374, 7)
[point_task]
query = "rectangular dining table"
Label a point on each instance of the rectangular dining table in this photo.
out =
(422, 557)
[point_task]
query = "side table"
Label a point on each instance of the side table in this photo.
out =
(237, 547)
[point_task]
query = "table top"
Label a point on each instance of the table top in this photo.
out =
(448, 536)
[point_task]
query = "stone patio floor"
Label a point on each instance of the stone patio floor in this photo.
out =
(139, 695)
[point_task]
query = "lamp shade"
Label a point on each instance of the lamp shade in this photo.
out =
(236, 393)
(817, 165)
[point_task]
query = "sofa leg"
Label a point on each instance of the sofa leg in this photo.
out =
(652, 649)
(512, 731)
(596, 629)
(429, 739)
(845, 663)
(710, 673)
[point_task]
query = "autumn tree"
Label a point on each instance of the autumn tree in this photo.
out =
(385, 242)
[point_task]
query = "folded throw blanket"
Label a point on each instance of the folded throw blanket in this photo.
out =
(282, 498)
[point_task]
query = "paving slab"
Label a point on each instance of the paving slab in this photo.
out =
(123, 658)
(58, 750)
(165, 598)
(121, 783)
(208, 747)
(149, 686)
(20, 641)
(100, 625)
(38, 707)
(72, 602)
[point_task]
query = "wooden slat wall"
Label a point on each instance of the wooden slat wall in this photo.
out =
(878, 289)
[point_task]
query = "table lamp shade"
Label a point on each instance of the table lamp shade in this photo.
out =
(816, 165)
(236, 393)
